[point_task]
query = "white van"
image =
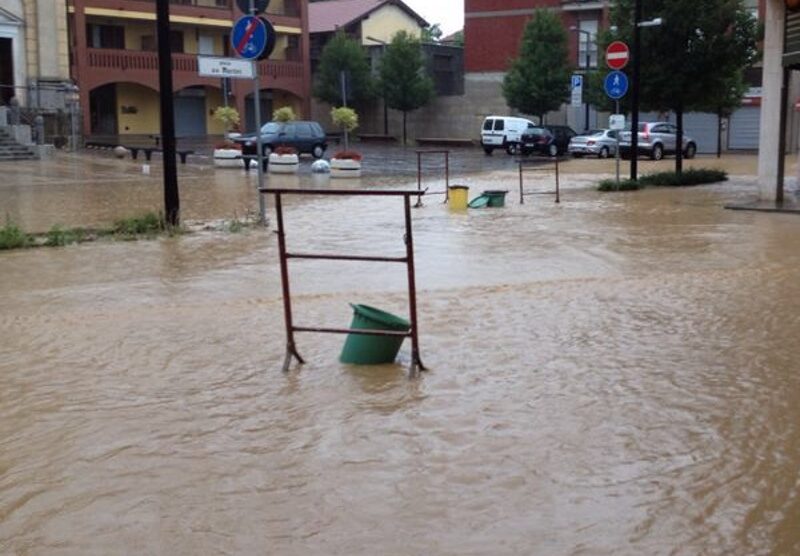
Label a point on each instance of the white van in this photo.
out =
(503, 132)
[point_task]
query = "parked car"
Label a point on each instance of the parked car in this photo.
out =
(304, 136)
(550, 140)
(601, 143)
(657, 139)
(502, 132)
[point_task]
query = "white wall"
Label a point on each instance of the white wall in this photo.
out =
(771, 100)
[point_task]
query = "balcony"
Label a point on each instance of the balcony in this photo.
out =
(103, 65)
(287, 8)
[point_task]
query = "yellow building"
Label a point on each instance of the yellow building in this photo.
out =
(115, 63)
(34, 56)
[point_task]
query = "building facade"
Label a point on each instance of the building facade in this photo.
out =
(114, 60)
(34, 57)
(493, 32)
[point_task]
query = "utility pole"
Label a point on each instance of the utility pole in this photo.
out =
(172, 204)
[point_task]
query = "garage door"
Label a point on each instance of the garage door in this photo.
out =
(744, 128)
(702, 127)
(190, 113)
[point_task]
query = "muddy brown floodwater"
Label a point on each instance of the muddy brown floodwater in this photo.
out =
(614, 375)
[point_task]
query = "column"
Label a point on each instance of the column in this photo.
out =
(771, 100)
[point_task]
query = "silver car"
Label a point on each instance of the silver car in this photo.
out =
(657, 139)
(597, 142)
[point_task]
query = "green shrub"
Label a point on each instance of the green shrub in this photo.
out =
(12, 237)
(147, 224)
(691, 176)
(623, 185)
(57, 237)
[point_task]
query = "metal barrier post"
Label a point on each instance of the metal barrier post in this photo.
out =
(291, 348)
(408, 260)
(446, 192)
(522, 192)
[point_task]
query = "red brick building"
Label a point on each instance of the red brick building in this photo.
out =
(493, 29)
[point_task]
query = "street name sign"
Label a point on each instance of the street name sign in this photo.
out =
(617, 55)
(234, 68)
(577, 90)
(616, 84)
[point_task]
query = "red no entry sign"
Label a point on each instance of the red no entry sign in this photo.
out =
(617, 55)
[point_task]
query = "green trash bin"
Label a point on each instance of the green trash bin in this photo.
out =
(364, 349)
(497, 197)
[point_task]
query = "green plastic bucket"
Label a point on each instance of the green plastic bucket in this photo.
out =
(364, 349)
(497, 197)
(481, 201)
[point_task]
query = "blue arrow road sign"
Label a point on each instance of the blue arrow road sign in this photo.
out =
(249, 37)
(616, 84)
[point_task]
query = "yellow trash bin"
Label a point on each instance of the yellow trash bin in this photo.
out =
(459, 196)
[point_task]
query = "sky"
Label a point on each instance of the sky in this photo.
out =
(448, 13)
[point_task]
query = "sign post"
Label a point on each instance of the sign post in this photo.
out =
(616, 86)
(249, 39)
(577, 90)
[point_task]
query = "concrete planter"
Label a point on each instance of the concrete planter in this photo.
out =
(283, 163)
(345, 168)
(227, 158)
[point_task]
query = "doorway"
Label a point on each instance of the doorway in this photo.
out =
(6, 70)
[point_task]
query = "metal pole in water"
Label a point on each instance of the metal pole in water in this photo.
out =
(262, 203)
(617, 149)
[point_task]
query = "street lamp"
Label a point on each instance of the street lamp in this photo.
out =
(383, 44)
(588, 63)
(637, 67)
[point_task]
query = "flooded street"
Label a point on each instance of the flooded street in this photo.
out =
(616, 374)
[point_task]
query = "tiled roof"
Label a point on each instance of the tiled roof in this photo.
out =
(326, 17)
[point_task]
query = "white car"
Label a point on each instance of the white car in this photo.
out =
(503, 132)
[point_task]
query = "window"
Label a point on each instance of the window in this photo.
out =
(105, 36)
(305, 131)
(487, 125)
(499, 125)
(150, 44)
(587, 41)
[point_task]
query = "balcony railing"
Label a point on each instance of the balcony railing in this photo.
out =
(130, 60)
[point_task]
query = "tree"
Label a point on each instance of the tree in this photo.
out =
(696, 59)
(346, 119)
(539, 79)
(432, 33)
(284, 114)
(403, 80)
(343, 54)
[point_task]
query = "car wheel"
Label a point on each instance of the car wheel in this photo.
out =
(317, 151)
(552, 150)
(488, 151)
(603, 153)
(691, 150)
(658, 152)
(512, 148)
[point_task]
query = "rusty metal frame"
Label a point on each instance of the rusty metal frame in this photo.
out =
(446, 192)
(408, 260)
(539, 167)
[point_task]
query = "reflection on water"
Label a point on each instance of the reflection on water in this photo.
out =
(613, 375)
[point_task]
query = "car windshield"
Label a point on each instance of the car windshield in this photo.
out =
(271, 127)
(535, 131)
(593, 133)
